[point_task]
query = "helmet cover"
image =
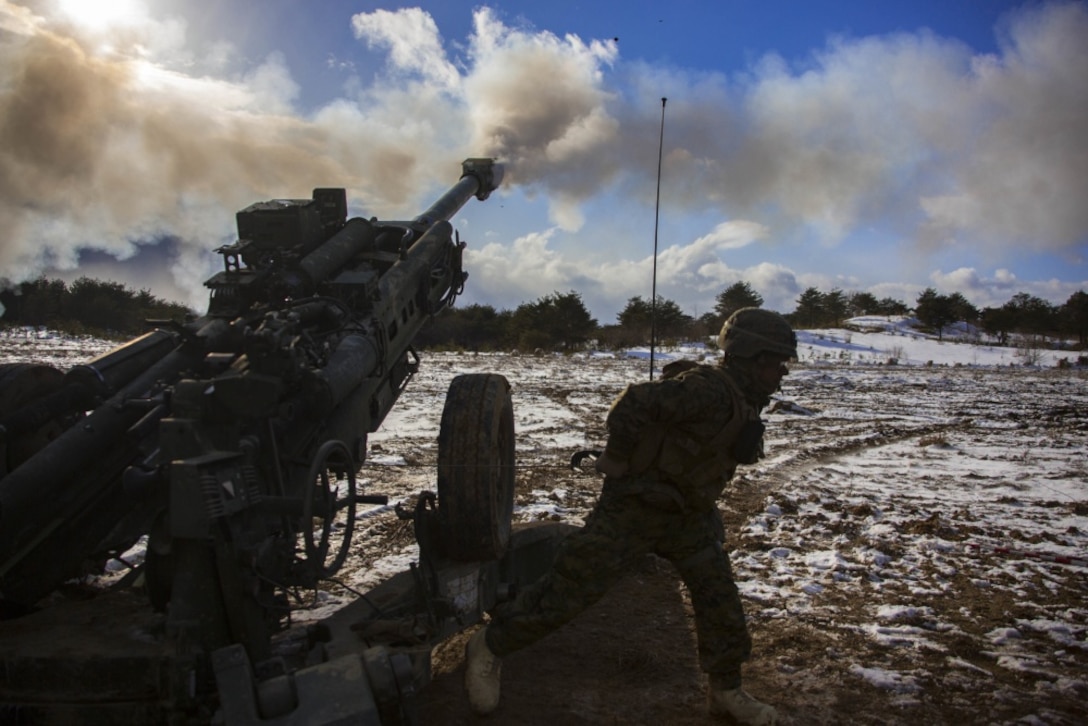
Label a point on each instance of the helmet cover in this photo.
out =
(751, 331)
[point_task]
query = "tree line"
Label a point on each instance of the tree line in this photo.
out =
(86, 306)
(1023, 315)
(561, 321)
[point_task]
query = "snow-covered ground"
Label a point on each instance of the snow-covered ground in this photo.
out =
(879, 339)
(34, 345)
(925, 524)
(921, 527)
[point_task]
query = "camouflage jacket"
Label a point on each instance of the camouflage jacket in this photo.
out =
(688, 432)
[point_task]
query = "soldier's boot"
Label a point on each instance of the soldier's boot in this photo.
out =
(482, 672)
(741, 707)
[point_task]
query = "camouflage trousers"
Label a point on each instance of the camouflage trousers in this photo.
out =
(625, 526)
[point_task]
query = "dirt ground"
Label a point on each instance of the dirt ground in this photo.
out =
(630, 659)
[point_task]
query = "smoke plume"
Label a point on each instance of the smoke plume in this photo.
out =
(108, 143)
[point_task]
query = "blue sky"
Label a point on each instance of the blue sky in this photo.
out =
(865, 146)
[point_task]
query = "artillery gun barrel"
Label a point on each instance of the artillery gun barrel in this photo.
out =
(113, 369)
(84, 385)
(358, 356)
(402, 280)
(355, 358)
(479, 178)
(62, 479)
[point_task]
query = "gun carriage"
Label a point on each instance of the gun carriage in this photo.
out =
(232, 442)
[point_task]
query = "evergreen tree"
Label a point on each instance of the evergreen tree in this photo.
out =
(998, 322)
(862, 303)
(935, 310)
(891, 306)
(87, 305)
(1033, 315)
(962, 309)
(473, 327)
(810, 309)
(665, 319)
(553, 321)
(835, 308)
(671, 323)
(708, 324)
(635, 316)
(1074, 315)
(36, 302)
(733, 298)
(100, 305)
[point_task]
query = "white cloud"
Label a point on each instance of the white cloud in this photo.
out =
(911, 134)
(998, 288)
(732, 236)
(691, 275)
(522, 271)
(411, 37)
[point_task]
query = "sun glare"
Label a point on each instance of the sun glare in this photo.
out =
(101, 14)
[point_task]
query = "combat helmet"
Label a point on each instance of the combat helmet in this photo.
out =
(751, 331)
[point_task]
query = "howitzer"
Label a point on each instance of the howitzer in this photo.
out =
(232, 443)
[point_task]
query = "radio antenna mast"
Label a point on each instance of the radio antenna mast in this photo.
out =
(657, 215)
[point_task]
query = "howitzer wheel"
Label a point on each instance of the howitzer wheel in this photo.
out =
(20, 385)
(329, 508)
(476, 467)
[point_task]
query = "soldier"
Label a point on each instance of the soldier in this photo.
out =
(672, 446)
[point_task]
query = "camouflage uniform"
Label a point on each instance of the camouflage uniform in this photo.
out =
(683, 437)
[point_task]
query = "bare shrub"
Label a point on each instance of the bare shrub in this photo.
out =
(1029, 350)
(933, 440)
